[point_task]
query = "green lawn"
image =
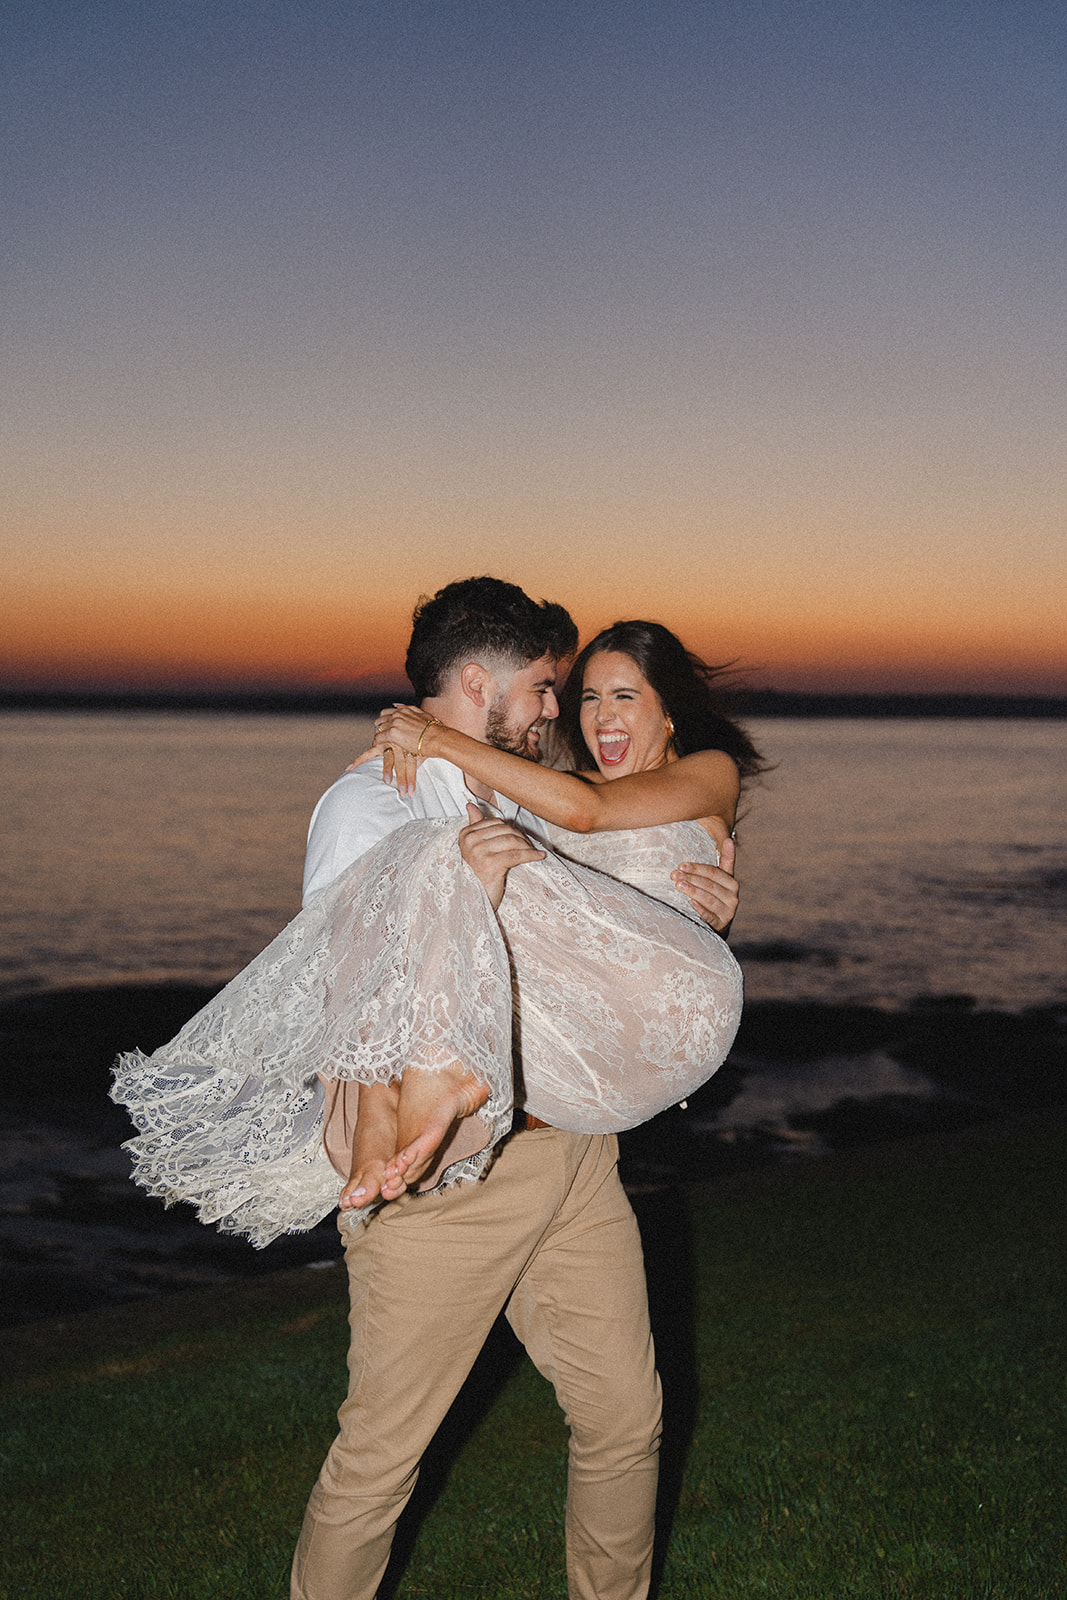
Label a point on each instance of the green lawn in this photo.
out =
(865, 1386)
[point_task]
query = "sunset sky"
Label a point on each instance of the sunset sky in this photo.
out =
(747, 316)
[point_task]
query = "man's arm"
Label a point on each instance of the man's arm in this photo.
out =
(353, 814)
(491, 847)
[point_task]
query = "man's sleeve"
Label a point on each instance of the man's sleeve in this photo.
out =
(353, 814)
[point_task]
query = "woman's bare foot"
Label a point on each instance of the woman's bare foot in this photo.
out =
(430, 1105)
(364, 1186)
(373, 1145)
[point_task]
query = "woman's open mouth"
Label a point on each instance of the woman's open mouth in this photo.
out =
(613, 747)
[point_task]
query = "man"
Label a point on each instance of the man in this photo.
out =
(547, 1236)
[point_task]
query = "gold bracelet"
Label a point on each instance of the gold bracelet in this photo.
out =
(434, 722)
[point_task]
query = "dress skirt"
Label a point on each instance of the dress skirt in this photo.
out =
(586, 1000)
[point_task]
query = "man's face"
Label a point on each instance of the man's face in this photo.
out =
(520, 708)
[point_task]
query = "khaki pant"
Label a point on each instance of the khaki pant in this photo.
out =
(548, 1234)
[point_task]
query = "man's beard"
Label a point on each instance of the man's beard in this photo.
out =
(503, 736)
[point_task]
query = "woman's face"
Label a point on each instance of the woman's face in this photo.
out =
(623, 722)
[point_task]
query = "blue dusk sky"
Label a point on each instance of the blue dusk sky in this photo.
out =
(745, 316)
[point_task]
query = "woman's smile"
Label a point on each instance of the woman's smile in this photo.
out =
(613, 747)
(623, 721)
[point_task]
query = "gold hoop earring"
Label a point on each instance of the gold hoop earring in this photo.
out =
(670, 728)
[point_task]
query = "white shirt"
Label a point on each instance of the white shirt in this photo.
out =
(359, 810)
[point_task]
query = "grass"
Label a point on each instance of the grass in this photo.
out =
(865, 1390)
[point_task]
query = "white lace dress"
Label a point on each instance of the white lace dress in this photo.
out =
(620, 1005)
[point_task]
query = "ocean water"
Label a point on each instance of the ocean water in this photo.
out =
(882, 862)
(905, 860)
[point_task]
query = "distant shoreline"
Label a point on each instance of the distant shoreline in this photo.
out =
(336, 702)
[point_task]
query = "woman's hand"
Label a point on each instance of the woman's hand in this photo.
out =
(403, 727)
(389, 764)
(398, 733)
(711, 891)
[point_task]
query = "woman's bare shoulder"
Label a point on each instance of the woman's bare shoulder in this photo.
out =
(717, 759)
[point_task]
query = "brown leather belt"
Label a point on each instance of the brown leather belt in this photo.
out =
(525, 1123)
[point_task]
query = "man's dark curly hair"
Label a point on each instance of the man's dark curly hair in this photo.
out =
(483, 617)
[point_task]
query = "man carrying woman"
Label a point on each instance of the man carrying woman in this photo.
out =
(617, 996)
(547, 1235)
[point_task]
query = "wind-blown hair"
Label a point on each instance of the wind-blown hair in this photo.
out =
(480, 618)
(684, 685)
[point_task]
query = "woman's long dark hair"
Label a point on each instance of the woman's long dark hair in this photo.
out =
(684, 685)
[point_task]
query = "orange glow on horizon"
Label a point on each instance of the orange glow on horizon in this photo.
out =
(189, 638)
(198, 639)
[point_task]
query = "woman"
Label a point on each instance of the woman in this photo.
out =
(401, 964)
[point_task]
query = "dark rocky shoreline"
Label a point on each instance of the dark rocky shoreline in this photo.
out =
(75, 1233)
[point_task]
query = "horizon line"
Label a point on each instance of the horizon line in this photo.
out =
(751, 702)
